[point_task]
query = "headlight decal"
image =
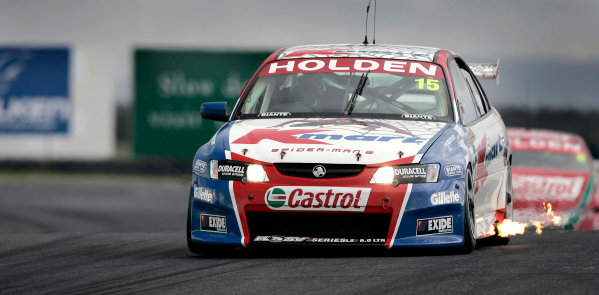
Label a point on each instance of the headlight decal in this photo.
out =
(236, 170)
(227, 169)
(416, 173)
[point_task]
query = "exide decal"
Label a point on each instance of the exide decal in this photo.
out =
(317, 198)
(435, 225)
(214, 223)
(325, 65)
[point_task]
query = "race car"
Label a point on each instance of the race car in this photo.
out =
(380, 145)
(553, 175)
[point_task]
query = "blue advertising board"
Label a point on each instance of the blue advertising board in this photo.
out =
(34, 90)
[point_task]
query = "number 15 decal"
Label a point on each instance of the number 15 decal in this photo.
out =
(431, 84)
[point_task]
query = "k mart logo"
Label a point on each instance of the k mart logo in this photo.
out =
(317, 136)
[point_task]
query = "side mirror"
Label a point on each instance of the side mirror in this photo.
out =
(216, 111)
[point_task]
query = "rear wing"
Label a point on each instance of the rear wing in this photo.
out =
(485, 71)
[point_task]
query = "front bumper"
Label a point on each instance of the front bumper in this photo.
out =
(402, 216)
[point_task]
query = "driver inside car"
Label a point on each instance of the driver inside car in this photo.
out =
(304, 95)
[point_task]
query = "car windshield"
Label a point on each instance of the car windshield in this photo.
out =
(337, 87)
(552, 160)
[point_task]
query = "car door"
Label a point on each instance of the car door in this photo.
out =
(483, 126)
(495, 162)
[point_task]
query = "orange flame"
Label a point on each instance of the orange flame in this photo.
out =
(509, 228)
(539, 227)
(491, 230)
(556, 220)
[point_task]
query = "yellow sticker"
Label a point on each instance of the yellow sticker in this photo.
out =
(431, 84)
(581, 158)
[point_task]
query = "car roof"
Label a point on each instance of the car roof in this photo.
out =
(545, 140)
(543, 133)
(404, 52)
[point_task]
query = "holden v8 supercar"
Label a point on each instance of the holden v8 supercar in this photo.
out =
(394, 146)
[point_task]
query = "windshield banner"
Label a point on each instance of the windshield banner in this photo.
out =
(327, 65)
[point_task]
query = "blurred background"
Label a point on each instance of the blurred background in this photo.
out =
(116, 86)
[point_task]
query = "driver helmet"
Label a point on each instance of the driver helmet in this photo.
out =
(308, 88)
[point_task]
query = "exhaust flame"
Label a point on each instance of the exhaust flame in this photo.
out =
(491, 230)
(509, 227)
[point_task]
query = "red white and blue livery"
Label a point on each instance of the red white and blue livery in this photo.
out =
(379, 145)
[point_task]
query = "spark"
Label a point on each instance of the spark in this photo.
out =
(509, 228)
(539, 227)
(556, 220)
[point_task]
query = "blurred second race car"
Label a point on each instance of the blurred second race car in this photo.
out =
(554, 181)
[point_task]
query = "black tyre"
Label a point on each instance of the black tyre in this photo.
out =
(469, 217)
(201, 249)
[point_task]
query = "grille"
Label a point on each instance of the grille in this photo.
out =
(319, 225)
(332, 170)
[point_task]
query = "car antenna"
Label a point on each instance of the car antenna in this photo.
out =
(366, 34)
(374, 23)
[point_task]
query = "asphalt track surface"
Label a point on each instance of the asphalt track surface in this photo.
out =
(74, 234)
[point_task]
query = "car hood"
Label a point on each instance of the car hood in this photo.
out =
(564, 189)
(322, 140)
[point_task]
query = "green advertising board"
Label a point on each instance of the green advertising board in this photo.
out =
(170, 87)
